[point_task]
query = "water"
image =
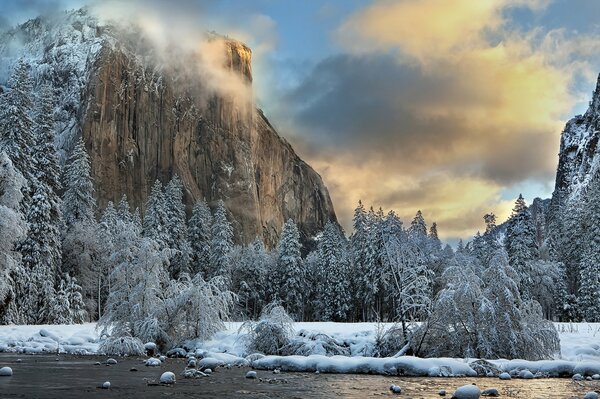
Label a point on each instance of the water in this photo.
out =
(41, 376)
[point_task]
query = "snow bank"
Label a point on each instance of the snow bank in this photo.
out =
(77, 339)
(406, 365)
(580, 350)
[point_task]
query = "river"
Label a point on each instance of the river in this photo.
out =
(42, 376)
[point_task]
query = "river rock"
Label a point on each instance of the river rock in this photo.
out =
(467, 392)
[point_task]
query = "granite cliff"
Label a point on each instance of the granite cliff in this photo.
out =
(146, 116)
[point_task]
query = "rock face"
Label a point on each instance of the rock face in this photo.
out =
(144, 119)
(579, 158)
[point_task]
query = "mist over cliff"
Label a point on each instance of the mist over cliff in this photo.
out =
(151, 104)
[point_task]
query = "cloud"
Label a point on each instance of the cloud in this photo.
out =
(439, 106)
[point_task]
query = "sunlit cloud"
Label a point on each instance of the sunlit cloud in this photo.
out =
(440, 106)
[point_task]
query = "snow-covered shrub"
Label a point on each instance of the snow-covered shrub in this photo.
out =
(145, 303)
(272, 332)
(389, 341)
(315, 343)
(485, 318)
(121, 346)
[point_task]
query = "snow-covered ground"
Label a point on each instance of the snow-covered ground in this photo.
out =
(580, 350)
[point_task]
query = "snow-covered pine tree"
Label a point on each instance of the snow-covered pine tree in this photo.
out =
(16, 125)
(38, 251)
(124, 211)
(520, 244)
(371, 278)
(435, 243)
(81, 245)
(409, 279)
(176, 228)
(359, 245)
(221, 242)
(138, 277)
(418, 227)
(14, 280)
(79, 205)
(290, 271)
(110, 220)
(199, 231)
(78, 314)
(58, 310)
(47, 175)
(589, 266)
(155, 216)
(333, 296)
(249, 278)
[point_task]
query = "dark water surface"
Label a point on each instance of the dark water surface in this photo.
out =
(41, 376)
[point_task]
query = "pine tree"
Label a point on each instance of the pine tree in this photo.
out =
(418, 226)
(58, 310)
(520, 244)
(251, 277)
(221, 242)
(371, 279)
(47, 176)
(176, 228)
(359, 244)
(155, 216)
(589, 265)
(78, 204)
(124, 211)
(199, 230)
(290, 270)
(333, 297)
(14, 280)
(110, 220)
(78, 314)
(16, 125)
(39, 255)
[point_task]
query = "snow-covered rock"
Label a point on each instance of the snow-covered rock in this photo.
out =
(167, 378)
(467, 392)
(492, 392)
(6, 372)
(251, 374)
(153, 362)
(395, 389)
(106, 385)
(210, 363)
(526, 374)
(505, 376)
(150, 346)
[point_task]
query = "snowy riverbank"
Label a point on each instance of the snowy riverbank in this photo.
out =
(580, 350)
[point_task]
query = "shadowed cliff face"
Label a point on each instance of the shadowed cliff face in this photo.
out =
(143, 122)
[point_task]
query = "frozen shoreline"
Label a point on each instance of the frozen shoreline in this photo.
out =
(580, 351)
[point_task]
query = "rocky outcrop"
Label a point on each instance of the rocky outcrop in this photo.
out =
(579, 158)
(144, 119)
